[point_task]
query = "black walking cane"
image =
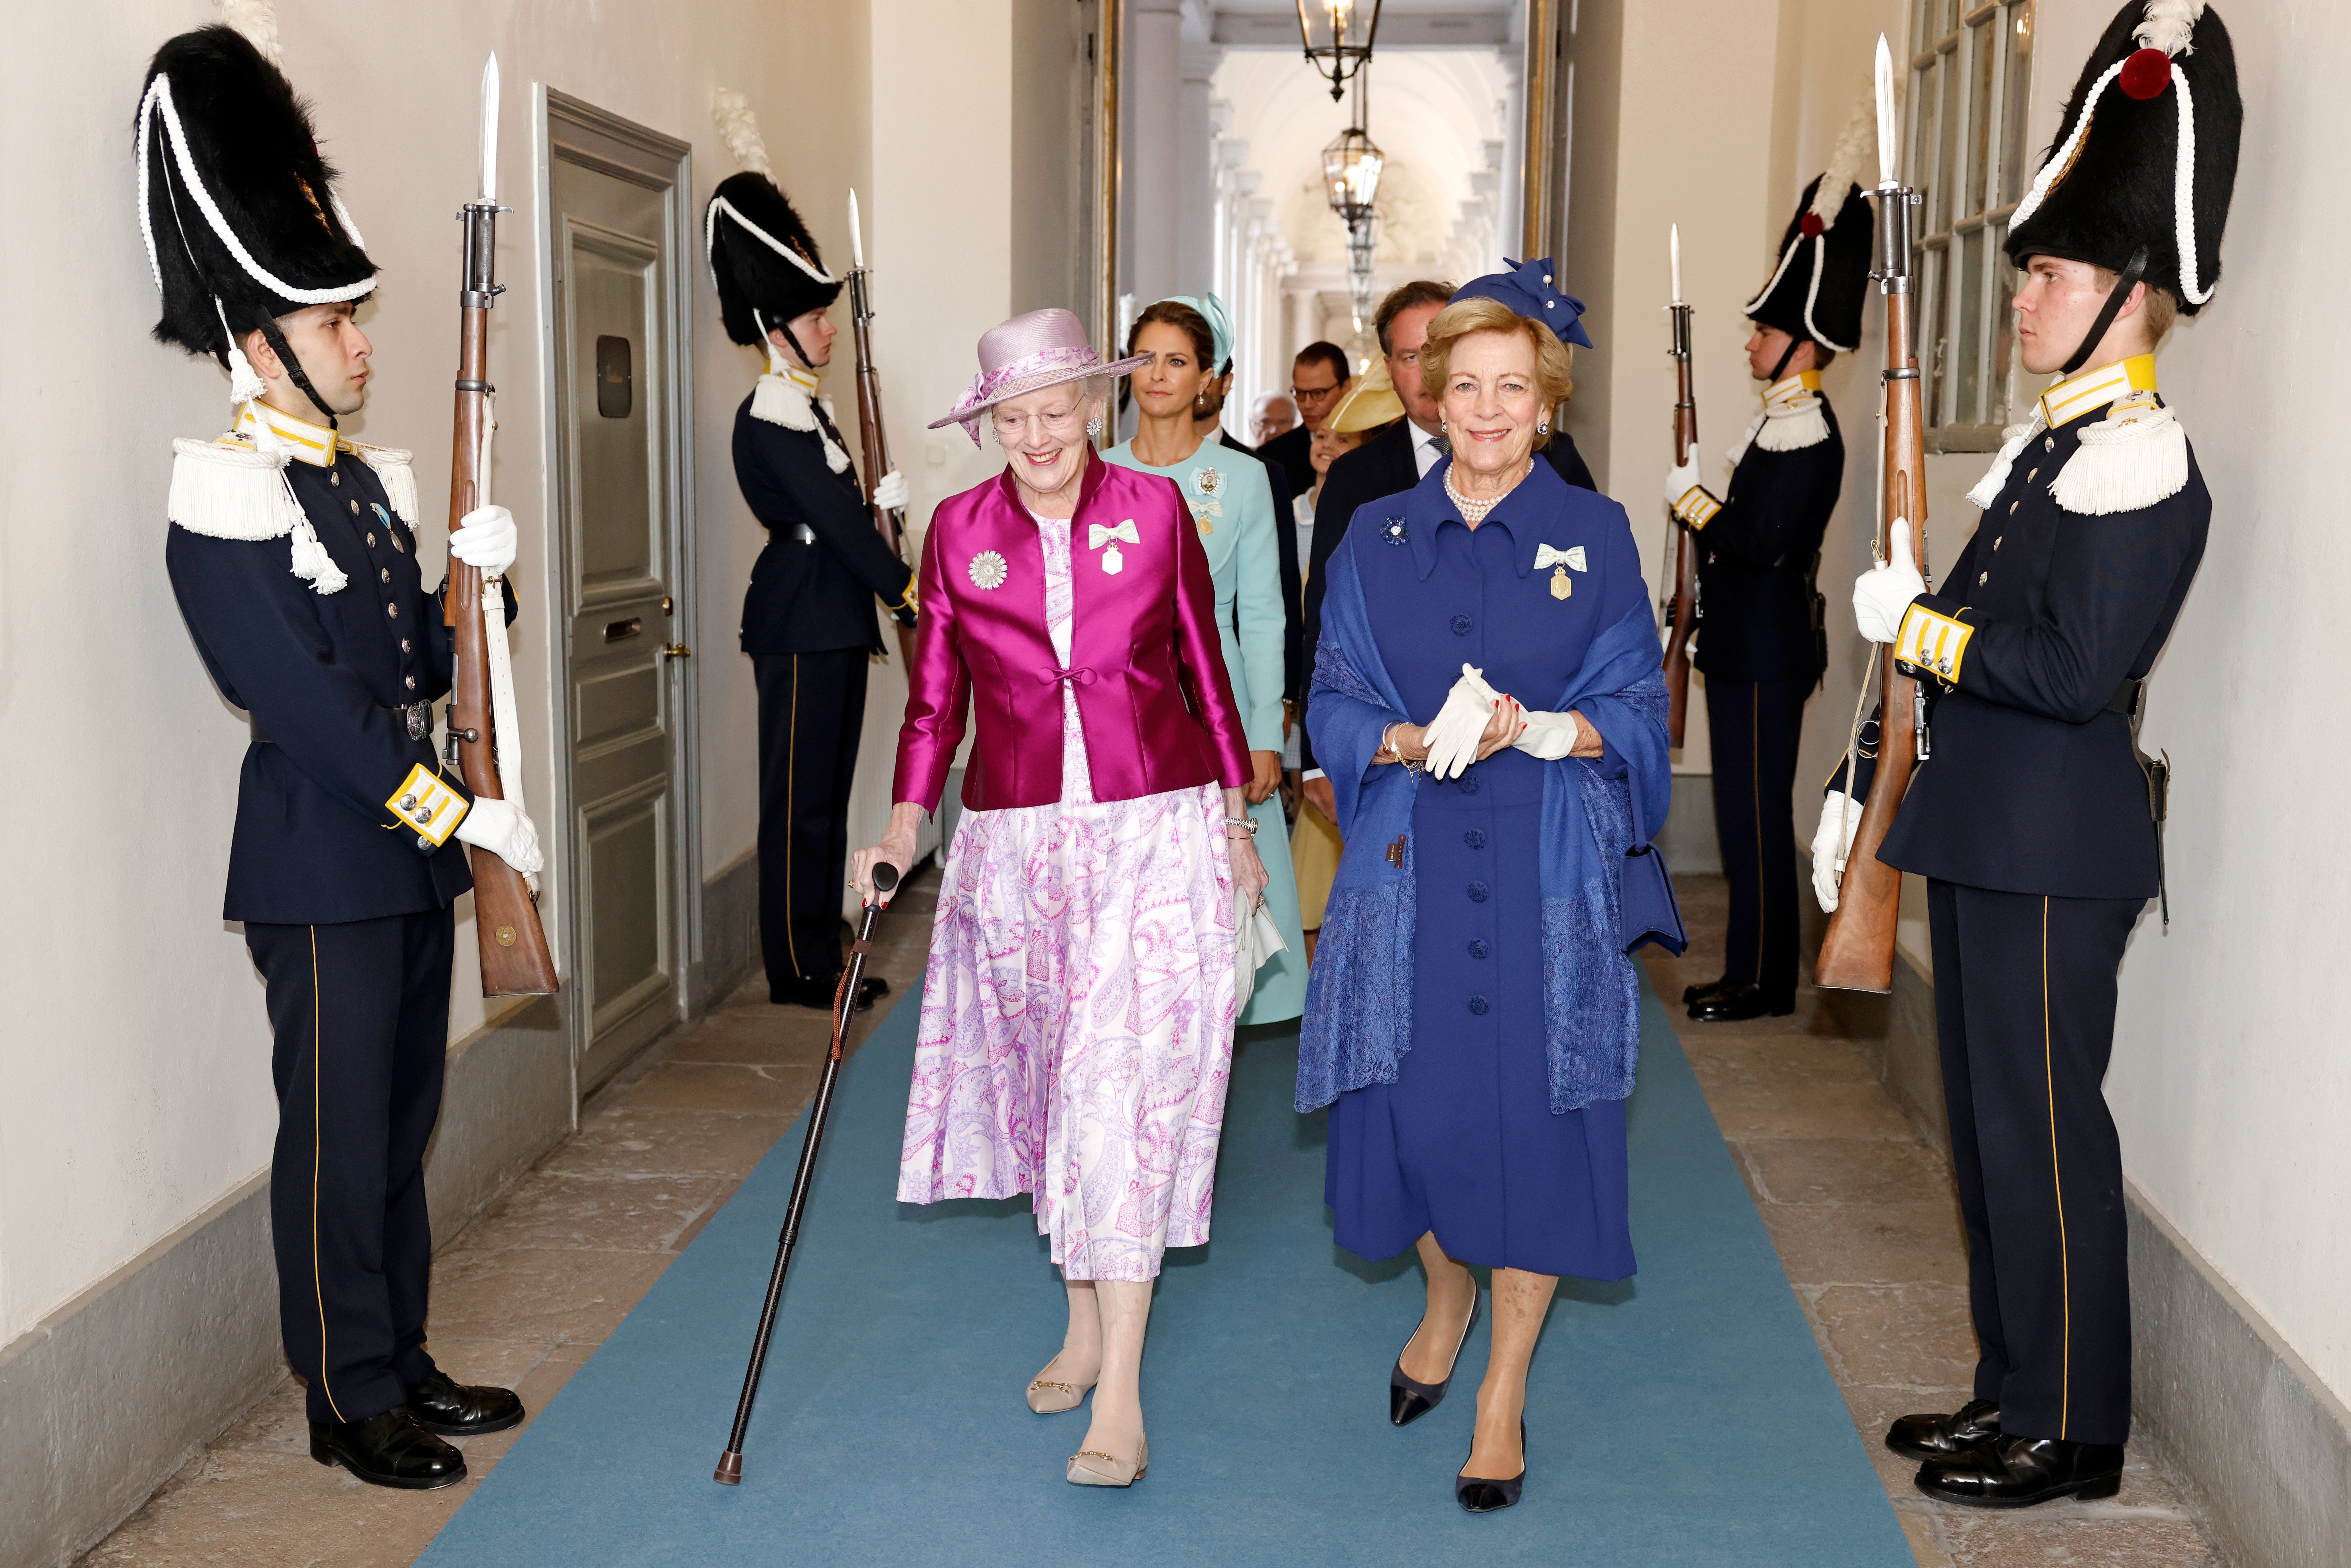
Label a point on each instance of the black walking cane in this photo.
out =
(844, 1007)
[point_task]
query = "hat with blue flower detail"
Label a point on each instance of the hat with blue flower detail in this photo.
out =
(1528, 289)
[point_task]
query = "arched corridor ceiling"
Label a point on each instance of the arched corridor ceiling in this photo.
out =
(1437, 114)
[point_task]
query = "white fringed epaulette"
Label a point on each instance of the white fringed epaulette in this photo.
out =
(2131, 459)
(779, 400)
(394, 469)
(227, 490)
(1789, 427)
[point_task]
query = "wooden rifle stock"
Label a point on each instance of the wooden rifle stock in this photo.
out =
(1681, 615)
(1857, 951)
(874, 447)
(515, 957)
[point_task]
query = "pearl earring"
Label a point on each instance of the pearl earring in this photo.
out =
(1543, 428)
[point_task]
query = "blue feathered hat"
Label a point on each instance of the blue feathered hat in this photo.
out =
(1527, 288)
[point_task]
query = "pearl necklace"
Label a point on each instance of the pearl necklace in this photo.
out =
(1474, 512)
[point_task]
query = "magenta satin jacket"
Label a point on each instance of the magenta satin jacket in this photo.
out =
(1153, 696)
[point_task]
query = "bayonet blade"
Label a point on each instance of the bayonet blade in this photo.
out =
(490, 129)
(1889, 162)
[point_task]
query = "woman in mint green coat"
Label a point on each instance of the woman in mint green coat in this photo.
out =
(1187, 340)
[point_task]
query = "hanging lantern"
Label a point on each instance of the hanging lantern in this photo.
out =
(1338, 35)
(1350, 172)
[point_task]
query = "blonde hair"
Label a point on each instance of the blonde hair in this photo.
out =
(1554, 360)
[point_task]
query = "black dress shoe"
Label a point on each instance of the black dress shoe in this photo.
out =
(440, 1403)
(1699, 993)
(388, 1450)
(1971, 1425)
(1408, 1401)
(1733, 1004)
(821, 994)
(1477, 1495)
(2017, 1472)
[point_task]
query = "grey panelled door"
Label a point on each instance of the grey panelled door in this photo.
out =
(617, 402)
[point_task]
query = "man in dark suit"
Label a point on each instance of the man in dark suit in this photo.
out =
(1391, 461)
(808, 621)
(1319, 378)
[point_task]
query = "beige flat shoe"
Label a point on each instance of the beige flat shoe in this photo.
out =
(1047, 1397)
(1091, 1467)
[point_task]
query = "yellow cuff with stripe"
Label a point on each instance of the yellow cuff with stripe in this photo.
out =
(1696, 507)
(907, 601)
(428, 805)
(1932, 641)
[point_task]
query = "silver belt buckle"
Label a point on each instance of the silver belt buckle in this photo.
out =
(803, 534)
(420, 720)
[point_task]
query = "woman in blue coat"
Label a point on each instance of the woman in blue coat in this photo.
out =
(1488, 703)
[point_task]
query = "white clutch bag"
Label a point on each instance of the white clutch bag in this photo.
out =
(1260, 939)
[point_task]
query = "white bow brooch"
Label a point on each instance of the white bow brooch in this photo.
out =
(1098, 536)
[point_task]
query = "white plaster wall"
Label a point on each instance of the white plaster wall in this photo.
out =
(133, 1045)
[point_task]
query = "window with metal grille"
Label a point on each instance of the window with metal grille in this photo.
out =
(1969, 83)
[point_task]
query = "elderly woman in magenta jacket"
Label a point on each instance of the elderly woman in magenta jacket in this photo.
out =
(1488, 703)
(1077, 1021)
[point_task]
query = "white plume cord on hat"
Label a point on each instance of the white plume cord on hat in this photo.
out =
(780, 247)
(2183, 193)
(1785, 257)
(159, 99)
(2063, 158)
(1820, 260)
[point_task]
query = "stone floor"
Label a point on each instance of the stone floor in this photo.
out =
(524, 1294)
(1859, 1207)
(1866, 1226)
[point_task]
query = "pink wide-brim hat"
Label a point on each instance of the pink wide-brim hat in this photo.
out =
(1026, 354)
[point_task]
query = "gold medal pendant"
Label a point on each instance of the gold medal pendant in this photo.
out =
(1560, 586)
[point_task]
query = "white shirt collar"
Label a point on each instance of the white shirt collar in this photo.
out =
(1427, 449)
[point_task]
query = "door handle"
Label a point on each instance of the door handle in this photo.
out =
(677, 650)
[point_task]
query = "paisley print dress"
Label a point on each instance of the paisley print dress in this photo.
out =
(1077, 1023)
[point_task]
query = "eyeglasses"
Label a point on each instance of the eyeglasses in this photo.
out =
(1318, 394)
(1055, 421)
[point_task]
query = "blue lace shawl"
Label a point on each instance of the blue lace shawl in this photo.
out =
(1359, 1022)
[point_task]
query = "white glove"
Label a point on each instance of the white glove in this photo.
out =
(1548, 737)
(1454, 734)
(497, 827)
(1882, 593)
(484, 538)
(890, 491)
(1831, 843)
(1681, 480)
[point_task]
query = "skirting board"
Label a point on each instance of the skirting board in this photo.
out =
(2264, 1446)
(1687, 839)
(103, 1399)
(730, 932)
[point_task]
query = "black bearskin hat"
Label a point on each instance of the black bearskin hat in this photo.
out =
(762, 257)
(1817, 290)
(237, 207)
(2161, 87)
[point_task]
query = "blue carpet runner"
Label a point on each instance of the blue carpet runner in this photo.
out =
(1683, 1418)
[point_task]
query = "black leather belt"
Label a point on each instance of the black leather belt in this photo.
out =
(799, 533)
(417, 717)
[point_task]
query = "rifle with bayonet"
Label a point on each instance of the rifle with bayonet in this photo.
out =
(889, 522)
(482, 734)
(1682, 608)
(1857, 952)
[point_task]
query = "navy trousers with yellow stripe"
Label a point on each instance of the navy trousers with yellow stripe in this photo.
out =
(2024, 1007)
(811, 711)
(1753, 727)
(359, 1013)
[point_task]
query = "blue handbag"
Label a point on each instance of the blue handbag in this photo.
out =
(1646, 903)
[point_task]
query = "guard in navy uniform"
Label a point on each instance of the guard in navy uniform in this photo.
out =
(2037, 820)
(1760, 642)
(808, 621)
(293, 553)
